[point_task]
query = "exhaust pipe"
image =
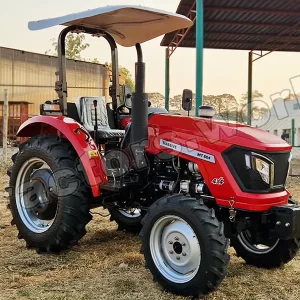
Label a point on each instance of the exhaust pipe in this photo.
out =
(139, 111)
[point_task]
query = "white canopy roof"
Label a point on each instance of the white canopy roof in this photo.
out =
(128, 24)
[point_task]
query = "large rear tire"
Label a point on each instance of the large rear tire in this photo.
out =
(271, 254)
(49, 198)
(184, 246)
(127, 219)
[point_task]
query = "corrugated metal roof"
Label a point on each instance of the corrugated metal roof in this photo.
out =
(264, 25)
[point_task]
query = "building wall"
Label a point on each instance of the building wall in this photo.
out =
(280, 118)
(31, 77)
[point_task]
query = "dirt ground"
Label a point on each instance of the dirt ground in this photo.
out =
(107, 265)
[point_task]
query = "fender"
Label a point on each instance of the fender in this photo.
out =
(80, 139)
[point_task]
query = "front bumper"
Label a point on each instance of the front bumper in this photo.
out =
(286, 220)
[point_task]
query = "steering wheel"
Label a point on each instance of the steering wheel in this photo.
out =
(120, 112)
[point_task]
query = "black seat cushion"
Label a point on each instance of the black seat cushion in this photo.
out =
(109, 134)
(73, 112)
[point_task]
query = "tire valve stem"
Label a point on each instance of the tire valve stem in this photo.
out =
(232, 211)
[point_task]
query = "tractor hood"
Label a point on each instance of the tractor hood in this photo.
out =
(128, 24)
(213, 132)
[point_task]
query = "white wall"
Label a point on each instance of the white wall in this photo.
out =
(280, 118)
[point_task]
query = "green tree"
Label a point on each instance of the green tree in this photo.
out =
(125, 72)
(224, 104)
(175, 103)
(94, 61)
(257, 110)
(256, 95)
(75, 44)
(292, 96)
(128, 77)
(156, 99)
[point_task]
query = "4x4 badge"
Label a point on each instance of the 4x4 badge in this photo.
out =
(218, 181)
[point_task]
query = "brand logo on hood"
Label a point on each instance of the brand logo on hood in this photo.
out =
(188, 151)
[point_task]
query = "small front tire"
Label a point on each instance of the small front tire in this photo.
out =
(184, 246)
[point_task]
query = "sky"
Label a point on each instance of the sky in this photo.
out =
(225, 71)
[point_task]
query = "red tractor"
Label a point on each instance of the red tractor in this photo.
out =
(190, 185)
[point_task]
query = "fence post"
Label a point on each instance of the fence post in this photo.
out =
(5, 122)
(293, 133)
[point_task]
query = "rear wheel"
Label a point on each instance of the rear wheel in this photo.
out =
(127, 219)
(184, 246)
(49, 199)
(271, 253)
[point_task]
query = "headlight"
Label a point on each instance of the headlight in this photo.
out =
(263, 165)
(263, 168)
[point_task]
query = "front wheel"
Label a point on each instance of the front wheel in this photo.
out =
(184, 246)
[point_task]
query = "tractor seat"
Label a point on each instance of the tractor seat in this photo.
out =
(110, 133)
(88, 118)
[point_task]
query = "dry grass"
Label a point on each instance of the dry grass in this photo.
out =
(295, 167)
(107, 265)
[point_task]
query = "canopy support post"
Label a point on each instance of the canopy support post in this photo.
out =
(250, 83)
(167, 80)
(199, 52)
(61, 84)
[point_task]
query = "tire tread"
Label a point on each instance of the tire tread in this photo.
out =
(218, 244)
(76, 213)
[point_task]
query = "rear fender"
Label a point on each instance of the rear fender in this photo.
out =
(80, 139)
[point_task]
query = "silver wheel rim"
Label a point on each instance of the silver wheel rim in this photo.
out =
(175, 249)
(131, 212)
(26, 202)
(245, 239)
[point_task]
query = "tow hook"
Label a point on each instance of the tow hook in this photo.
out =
(232, 211)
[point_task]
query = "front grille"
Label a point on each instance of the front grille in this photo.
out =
(250, 180)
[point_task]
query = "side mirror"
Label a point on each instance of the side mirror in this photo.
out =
(127, 95)
(187, 100)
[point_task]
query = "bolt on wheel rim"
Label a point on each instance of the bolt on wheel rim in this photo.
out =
(175, 249)
(245, 239)
(32, 196)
